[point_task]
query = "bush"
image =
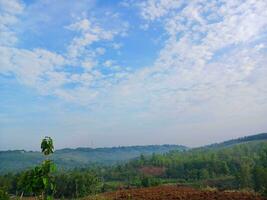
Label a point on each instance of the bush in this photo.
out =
(150, 181)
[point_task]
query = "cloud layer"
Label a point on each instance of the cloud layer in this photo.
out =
(211, 67)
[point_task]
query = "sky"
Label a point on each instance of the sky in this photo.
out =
(94, 73)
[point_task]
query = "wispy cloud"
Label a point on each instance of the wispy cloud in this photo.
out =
(8, 19)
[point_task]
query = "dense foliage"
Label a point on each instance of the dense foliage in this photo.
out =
(77, 184)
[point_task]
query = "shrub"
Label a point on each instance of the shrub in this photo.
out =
(3, 194)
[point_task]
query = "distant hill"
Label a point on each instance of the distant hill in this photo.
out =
(17, 160)
(228, 143)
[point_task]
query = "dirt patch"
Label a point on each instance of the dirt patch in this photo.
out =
(152, 171)
(178, 193)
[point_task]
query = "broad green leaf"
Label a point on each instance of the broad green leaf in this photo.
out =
(45, 181)
(52, 167)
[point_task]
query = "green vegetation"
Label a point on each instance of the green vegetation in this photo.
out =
(228, 143)
(241, 165)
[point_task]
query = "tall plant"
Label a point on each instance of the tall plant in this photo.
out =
(40, 180)
(48, 167)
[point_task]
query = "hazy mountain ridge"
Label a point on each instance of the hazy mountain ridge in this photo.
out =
(17, 160)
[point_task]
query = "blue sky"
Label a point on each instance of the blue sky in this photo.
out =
(112, 73)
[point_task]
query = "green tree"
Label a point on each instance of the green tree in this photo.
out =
(244, 177)
(260, 174)
(40, 180)
(142, 160)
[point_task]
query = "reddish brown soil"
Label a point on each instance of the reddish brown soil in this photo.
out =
(178, 193)
(153, 171)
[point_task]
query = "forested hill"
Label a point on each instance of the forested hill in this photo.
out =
(13, 161)
(257, 137)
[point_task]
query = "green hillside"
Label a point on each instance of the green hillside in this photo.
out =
(257, 137)
(13, 161)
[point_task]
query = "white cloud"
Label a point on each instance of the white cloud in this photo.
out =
(116, 46)
(45, 70)
(108, 63)
(89, 34)
(153, 10)
(100, 51)
(212, 64)
(9, 11)
(35, 68)
(88, 65)
(11, 6)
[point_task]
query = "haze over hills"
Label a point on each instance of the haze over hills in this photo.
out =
(17, 160)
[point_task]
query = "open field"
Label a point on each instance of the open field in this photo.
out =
(171, 193)
(178, 193)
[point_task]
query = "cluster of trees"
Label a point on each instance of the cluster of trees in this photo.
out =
(260, 174)
(71, 184)
(76, 184)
